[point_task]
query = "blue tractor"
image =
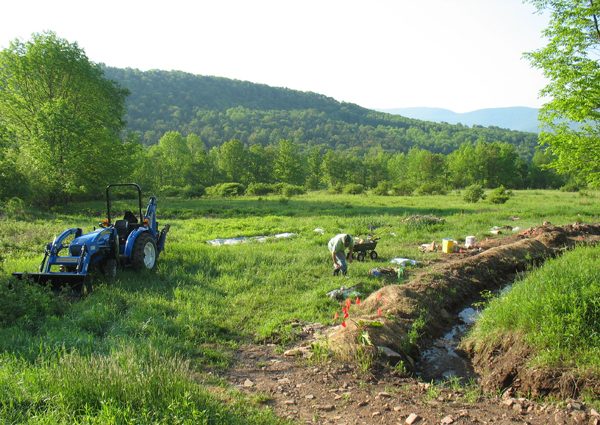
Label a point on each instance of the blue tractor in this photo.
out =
(133, 241)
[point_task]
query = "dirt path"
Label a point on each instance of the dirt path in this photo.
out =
(335, 393)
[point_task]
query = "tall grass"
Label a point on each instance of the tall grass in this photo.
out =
(556, 309)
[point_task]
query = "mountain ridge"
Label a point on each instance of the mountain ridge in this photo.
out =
(518, 118)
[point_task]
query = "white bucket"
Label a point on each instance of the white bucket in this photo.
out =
(470, 241)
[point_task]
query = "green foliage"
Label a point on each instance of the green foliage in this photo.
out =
(292, 190)
(226, 190)
(27, 305)
(431, 188)
(555, 309)
(218, 109)
(382, 188)
(262, 189)
(474, 193)
(64, 115)
(353, 189)
(570, 63)
(499, 195)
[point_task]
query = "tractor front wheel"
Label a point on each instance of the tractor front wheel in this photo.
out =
(144, 252)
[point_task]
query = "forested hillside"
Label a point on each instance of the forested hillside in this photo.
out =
(219, 109)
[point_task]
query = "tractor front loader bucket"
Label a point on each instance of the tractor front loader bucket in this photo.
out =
(55, 280)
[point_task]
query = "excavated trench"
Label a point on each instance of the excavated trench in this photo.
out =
(431, 310)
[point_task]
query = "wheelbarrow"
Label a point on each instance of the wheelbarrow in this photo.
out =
(362, 249)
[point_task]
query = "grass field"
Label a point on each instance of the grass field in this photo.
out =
(140, 349)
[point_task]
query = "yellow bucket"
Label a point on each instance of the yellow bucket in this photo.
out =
(447, 246)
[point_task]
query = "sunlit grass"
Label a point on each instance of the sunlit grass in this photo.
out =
(186, 318)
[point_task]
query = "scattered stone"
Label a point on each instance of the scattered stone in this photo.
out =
(289, 402)
(383, 394)
(397, 408)
(560, 419)
(574, 405)
(508, 402)
(248, 383)
(362, 403)
(325, 407)
(389, 354)
(579, 417)
(447, 420)
(508, 393)
(309, 396)
(283, 381)
(375, 414)
(412, 419)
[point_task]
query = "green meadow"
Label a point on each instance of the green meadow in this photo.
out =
(149, 347)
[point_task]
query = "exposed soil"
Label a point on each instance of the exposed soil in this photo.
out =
(336, 392)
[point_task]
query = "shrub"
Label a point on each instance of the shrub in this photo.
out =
(226, 189)
(402, 189)
(335, 189)
(431, 189)
(500, 195)
(570, 186)
(170, 191)
(261, 189)
(382, 188)
(291, 190)
(14, 207)
(354, 189)
(474, 193)
(195, 191)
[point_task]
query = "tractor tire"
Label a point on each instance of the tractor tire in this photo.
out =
(374, 255)
(109, 268)
(144, 254)
(360, 256)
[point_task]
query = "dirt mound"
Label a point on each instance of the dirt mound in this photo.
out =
(397, 317)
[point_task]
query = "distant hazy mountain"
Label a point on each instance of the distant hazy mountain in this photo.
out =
(515, 118)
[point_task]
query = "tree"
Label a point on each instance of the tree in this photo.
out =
(570, 62)
(288, 166)
(65, 116)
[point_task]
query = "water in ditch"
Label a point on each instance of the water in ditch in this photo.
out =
(443, 360)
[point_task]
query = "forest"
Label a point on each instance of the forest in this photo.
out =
(66, 133)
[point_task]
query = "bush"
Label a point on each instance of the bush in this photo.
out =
(335, 189)
(14, 207)
(354, 189)
(170, 191)
(226, 190)
(261, 189)
(195, 191)
(382, 188)
(402, 189)
(570, 186)
(431, 189)
(291, 190)
(500, 195)
(474, 193)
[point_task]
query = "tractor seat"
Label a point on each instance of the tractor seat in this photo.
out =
(122, 229)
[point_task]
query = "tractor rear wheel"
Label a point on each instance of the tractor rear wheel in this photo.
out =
(144, 254)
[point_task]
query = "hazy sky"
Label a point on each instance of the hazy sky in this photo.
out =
(456, 54)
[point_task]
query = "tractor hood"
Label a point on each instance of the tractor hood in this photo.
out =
(97, 237)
